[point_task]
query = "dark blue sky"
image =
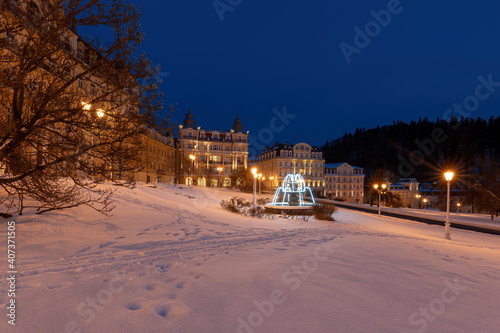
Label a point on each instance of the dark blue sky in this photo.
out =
(272, 54)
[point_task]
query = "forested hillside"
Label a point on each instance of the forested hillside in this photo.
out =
(422, 148)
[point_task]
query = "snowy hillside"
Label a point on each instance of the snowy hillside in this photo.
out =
(171, 260)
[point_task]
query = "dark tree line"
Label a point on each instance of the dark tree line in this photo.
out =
(466, 144)
(423, 149)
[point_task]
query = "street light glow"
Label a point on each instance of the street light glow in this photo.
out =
(448, 175)
(254, 171)
(375, 186)
(100, 113)
(86, 106)
(192, 157)
(384, 186)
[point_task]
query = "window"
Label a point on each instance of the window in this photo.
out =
(92, 89)
(215, 158)
(190, 135)
(81, 84)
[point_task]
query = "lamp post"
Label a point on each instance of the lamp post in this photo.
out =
(100, 113)
(382, 188)
(260, 181)
(458, 208)
(448, 176)
(192, 158)
(219, 170)
(254, 172)
(418, 196)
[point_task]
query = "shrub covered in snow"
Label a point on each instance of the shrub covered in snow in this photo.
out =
(245, 207)
(324, 212)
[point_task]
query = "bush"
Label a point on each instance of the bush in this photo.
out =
(324, 212)
(263, 201)
(245, 207)
(235, 205)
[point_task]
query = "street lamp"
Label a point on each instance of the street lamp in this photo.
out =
(219, 169)
(425, 204)
(448, 176)
(254, 172)
(382, 188)
(192, 158)
(100, 113)
(418, 196)
(458, 208)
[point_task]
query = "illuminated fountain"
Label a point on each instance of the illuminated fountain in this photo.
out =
(291, 194)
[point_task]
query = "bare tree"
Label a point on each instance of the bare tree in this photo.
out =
(71, 108)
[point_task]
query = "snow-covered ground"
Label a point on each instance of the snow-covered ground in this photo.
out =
(171, 260)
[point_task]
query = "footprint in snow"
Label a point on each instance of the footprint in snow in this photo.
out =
(134, 306)
(173, 311)
(59, 285)
(171, 296)
(181, 285)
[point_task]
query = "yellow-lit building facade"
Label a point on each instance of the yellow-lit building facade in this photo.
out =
(158, 159)
(345, 182)
(280, 160)
(208, 157)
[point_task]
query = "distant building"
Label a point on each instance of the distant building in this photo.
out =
(158, 159)
(208, 157)
(344, 181)
(280, 160)
(406, 189)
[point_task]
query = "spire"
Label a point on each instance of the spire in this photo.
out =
(189, 121)
(237, 126)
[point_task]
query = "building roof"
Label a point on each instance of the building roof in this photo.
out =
(287, 146)
(336, 165)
